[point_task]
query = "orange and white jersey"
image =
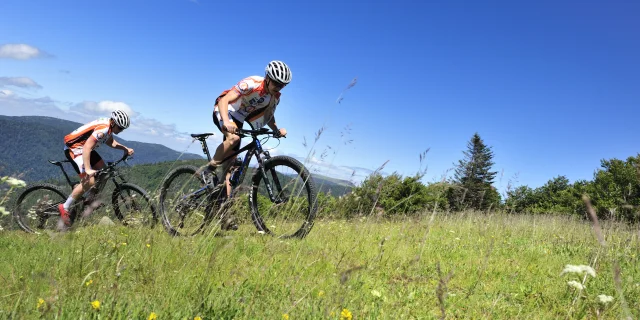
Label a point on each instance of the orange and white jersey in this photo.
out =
(253, 96)
(100, 130)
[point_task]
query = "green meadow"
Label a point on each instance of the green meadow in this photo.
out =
(431, 266)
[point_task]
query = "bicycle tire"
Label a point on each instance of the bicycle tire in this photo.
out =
(18, 212)
(309, 187)
(120, 189)
(186, 170)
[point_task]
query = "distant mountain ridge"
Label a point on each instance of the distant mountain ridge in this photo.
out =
(28, 142)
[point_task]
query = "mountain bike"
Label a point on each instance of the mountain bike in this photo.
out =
(36, 207)
(281, 196)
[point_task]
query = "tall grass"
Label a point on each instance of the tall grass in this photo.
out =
(467, 266)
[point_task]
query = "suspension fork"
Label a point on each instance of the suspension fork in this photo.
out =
(274, 175)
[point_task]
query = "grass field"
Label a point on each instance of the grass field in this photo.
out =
(469, 265)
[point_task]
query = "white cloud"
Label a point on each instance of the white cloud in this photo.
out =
(102, 108)
(20, 51)
(14, 105)
(22, 82)
(154, 127)
(317, 166)
(142, 129)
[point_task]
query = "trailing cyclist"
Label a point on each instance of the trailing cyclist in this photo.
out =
(80, 148)
(254, 99)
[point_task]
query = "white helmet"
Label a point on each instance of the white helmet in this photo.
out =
(278, 71)
(120, 118)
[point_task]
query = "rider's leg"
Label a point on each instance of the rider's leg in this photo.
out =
(230, 144)
(86, 183)
(228, 183)
(230, 141)
(223, 151)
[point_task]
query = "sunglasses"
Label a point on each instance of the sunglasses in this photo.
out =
(278, 85)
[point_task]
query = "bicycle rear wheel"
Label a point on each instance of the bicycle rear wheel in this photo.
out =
(291, 212)
(36, 208)
(131, 204)
(186, 202)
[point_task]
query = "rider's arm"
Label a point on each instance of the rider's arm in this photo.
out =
(223, 104)
(270, 115)
(272, 123)
(114, 144)
(111, 142)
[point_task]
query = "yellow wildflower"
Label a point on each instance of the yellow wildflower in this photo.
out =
(197, 318)
(88, 283)
(40, 303)
(152, 316)
(321, 294)
(148, 245)
(285, 316)
(95, 305)
(346, 314)
(124, 243)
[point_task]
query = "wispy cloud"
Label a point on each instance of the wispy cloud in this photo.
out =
(13, 104)
(142, 128)
(21, 51)
(22, 82)
(101, 108)
(156, 128)
(317, 166)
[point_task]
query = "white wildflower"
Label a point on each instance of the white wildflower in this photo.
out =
(16, 183)
(575, 284)
(3, 211)
(604, 299)
(579, 269)
(376, 293)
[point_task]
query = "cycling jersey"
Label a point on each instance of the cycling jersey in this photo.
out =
(253, 97)
(100, 130)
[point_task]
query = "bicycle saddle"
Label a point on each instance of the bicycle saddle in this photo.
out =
(57, 163)
(200, 135)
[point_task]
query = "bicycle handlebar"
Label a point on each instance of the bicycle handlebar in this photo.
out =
(261, 131)
(111, 165)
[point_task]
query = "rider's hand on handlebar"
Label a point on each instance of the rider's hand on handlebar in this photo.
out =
(229, 127)
(90, 172)
(129, 152)
(281, 133)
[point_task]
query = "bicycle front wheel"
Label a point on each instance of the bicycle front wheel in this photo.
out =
(132, 206)
(36, 208)
(283, 198)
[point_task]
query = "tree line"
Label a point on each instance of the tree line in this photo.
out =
(614, 191)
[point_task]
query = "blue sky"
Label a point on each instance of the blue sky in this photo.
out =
(552, 86)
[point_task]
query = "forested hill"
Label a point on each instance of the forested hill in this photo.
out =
(26, 143)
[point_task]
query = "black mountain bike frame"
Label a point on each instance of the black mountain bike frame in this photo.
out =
(253, 148)
(108, 172)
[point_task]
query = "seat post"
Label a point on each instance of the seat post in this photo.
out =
(59, 164)
(205, 148)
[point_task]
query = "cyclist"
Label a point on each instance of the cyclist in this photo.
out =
(80, 149)
(253, 99)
